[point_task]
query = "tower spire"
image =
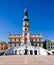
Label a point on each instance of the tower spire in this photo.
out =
(25, 13)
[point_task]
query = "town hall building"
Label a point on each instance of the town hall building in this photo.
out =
(15, 40)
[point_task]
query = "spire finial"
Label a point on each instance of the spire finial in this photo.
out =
(26, 13)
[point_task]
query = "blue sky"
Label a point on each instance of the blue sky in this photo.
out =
(41, 17)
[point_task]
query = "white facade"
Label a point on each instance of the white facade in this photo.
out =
(31, 50)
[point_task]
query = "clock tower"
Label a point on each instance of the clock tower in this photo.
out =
(26, 28)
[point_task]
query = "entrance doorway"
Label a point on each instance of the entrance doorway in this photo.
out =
(35, 52)
(15, 52)
(31, 52)
(26, 52)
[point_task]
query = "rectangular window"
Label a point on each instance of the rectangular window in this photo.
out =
(10, 40)
(11, 45)
(15, 39)
(25, 24)
(34, 39)
(19, 39)
(48, 47)
(37, 44)
(38, 40)
(15, 44)
(31, 39)
(51, 47)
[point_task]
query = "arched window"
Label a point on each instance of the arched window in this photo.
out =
(15, 52)
(26, 52)
(35, 52)
(31, 52)
(25, 24)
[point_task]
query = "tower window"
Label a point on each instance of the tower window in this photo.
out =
(25, 24)
(25, 33)
(25, 28)
(25, 39)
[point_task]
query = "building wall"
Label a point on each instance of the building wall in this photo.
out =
(3, 45)
(49, 44)
(36, 40)
(14, 40)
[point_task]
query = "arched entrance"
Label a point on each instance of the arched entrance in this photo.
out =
(15, 52)
(31, 52)
(35, 52)
(26, 52)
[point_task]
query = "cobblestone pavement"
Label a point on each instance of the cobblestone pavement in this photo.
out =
(27, 60)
